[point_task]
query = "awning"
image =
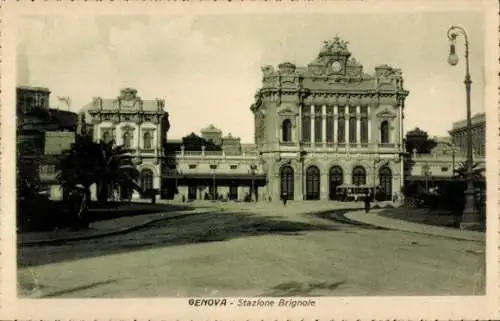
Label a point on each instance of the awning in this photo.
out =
(217, 176)
(432, 178)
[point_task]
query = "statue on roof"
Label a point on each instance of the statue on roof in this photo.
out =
(335, 45)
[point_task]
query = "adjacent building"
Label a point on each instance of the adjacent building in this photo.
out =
(43, 134)
(139, 125)
(458, 134)
(329, 124)
(213, 166)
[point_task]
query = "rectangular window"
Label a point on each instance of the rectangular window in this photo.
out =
(364, 130)
(192, 166)
(306, 129)
(213, 166)
(329, 129)
(341, 130)
(444, 169)
(352, 110)
(233, 166)
(318, 129)
(352, 129)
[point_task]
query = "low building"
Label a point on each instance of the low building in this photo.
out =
(214, 167)
(440, 164)
(458, 135)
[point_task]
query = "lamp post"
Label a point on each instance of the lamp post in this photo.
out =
(214, 191)
(253, 169)
(302, 157)
(470, 217)
(427, 173)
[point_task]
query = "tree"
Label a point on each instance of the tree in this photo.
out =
(88, 162)
(419, 140)
(462, 171)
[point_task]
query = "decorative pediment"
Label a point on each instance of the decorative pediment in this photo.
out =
(288, 110)
(386, 114)
(128, 128)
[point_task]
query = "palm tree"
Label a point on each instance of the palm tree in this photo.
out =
(88, 162)
(117, 170)
(462, 171)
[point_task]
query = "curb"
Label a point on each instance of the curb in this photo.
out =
(461, 238)
(102, 234)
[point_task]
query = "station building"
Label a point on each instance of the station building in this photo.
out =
(330, 123)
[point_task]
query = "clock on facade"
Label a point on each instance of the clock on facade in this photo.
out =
(336, 66)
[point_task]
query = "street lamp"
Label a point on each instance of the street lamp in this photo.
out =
(427, 173)
(470, 217)
(302, 157)
(213, 165)
(253, 169)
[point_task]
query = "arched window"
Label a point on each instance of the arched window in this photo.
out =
(384, 132)
(127, 139)
(286, 174)
(385, 179)
(358, 176)
(336, 178)
(287, 130)
(106, 136)
(312, 183)
(147, 179)
(148, 140)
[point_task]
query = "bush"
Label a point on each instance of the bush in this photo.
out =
(41, 214)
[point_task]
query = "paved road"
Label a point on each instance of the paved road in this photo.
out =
(253, 253)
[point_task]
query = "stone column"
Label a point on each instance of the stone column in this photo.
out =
(324, 192)
(323, 121)
(313, 116)
(346, 119)
(369, 124)
(335, 123)
(358, 125)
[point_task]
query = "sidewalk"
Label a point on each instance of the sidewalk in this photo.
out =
(100, 228)
(395, 224)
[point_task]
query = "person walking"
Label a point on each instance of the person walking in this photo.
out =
(79, 208)
(284, 198)
(368, 199)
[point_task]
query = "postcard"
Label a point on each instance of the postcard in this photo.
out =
(253, 160)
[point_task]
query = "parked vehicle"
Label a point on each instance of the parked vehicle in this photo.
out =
(353, 193)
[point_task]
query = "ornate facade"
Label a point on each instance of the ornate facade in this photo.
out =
(137, 124)
(328, 124)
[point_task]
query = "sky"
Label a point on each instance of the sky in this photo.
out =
(208, 67)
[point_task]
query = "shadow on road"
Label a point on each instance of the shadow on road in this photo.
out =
(190, 229)
(115, 210)
(339, 217)
(303, 289)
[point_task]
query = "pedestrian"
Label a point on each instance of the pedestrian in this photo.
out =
(284, 198)
(79, 207)
(368, 199)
